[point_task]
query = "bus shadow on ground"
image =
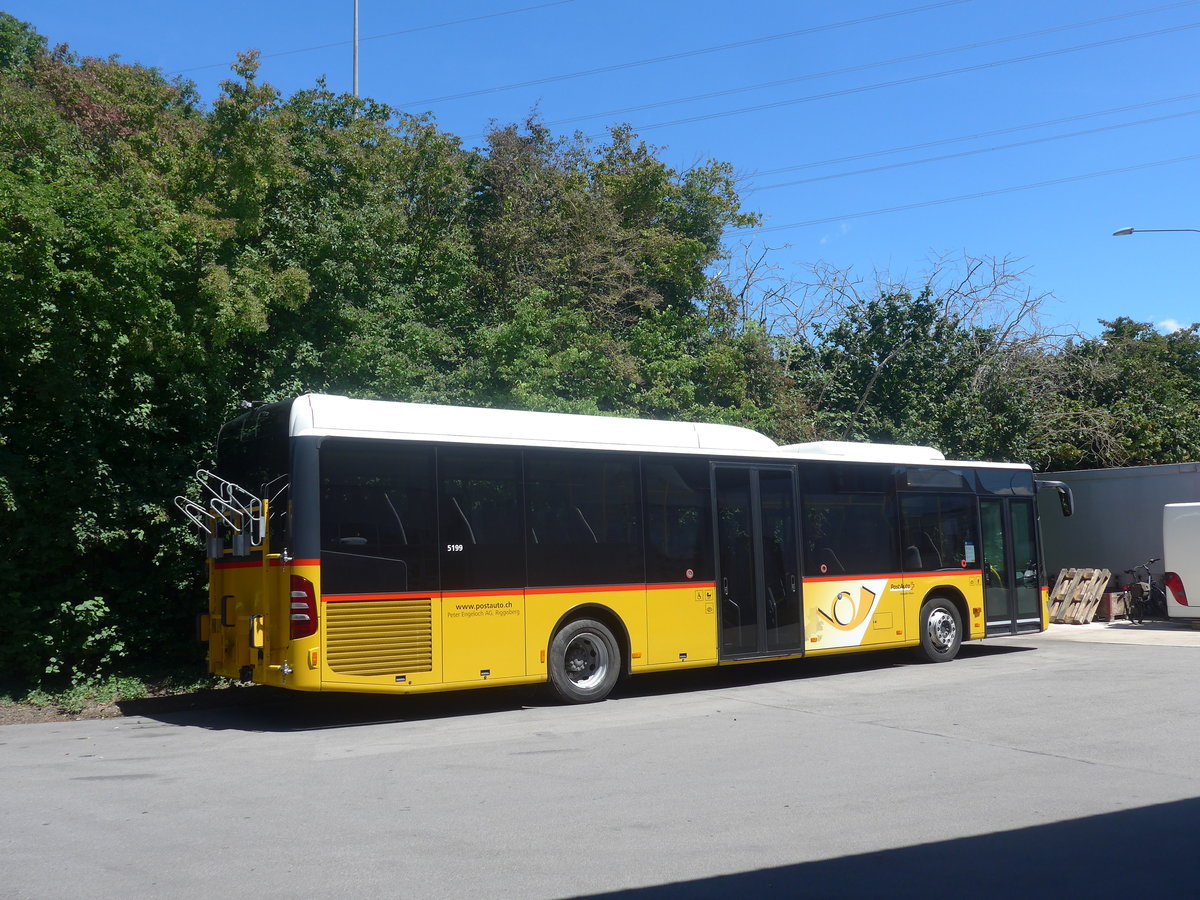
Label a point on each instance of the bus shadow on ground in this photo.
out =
(730, 676)
(265, 709)
(1144, 852)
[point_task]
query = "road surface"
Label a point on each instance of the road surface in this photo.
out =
(1058, 764)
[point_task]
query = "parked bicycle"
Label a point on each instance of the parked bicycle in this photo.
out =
(1145, 598)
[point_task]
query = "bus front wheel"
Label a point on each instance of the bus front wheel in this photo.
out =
(941, 631)
(584, 661)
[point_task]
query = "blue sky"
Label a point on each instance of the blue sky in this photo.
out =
(1005, 94)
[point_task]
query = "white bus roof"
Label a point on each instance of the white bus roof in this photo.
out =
(321, 414)
(905, 453)
(329, 415)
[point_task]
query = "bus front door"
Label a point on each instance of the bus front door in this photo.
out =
(1012, 595)
(758, 567)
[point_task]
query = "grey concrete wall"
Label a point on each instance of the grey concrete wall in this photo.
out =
(1118, 516)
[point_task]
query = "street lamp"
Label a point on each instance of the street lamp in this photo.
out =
(1122, 232)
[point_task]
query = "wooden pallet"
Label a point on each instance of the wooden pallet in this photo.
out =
(1077, 594)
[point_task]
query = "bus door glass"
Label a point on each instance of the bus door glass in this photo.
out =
(759, 572)
(1025, 556)
(1012, 586)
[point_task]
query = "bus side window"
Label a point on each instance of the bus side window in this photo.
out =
(850, 534)
(584, 517)
(939, 532)
(377, 518)
(678, 520)
(481, 542)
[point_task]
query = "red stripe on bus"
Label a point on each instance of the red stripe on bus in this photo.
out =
(610, 588)
(350, 598)
(413, 595)
(587, 589)
(894, 576)
(257, 563)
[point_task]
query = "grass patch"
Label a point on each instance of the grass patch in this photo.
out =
(92, 692)
(89, 692)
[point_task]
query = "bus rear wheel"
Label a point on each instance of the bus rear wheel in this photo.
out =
(941, 631)
(584, 661)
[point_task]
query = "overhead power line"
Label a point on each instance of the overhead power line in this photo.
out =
(927, 145)
(862, 67)
(962, 197)
(784, 35)
(914, 79)
(376, 37)
(976, 152)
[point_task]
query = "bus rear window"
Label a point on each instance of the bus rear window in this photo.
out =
(252, 450)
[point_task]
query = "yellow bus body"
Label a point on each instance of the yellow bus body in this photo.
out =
(459, 640)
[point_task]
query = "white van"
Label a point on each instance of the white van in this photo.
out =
(1181, 558)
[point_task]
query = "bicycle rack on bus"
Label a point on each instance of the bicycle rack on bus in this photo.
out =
(230, 507)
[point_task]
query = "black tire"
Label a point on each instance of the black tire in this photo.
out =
(1137, 609)
(584, 661)
(941, 631)
(1158, 603)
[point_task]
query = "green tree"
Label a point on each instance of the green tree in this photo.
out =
(162, 262)
(1144, 387)
(959, 360)
(20, 46)
(84, 328)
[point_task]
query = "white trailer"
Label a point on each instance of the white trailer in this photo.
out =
(1118, 521)
(1181, 556)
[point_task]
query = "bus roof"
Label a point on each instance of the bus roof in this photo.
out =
(322, 414)
(330, 415)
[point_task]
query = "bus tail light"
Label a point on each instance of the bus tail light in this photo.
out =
(1175, 585)
(304, 608)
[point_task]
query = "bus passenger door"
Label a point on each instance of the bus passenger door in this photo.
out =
(758, 574)
(1011, 576)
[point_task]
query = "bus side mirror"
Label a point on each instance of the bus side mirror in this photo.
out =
(1065, 498)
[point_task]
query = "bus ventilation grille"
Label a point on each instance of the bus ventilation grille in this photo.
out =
(380, 637)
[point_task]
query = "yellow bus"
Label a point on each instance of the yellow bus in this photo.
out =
(358, 545)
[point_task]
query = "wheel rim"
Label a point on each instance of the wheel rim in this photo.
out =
(941, 629)
(586, 660)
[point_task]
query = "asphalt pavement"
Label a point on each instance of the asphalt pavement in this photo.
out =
(1060, 764)
(1173, 633)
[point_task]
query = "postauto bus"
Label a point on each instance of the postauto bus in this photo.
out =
(359, 545)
